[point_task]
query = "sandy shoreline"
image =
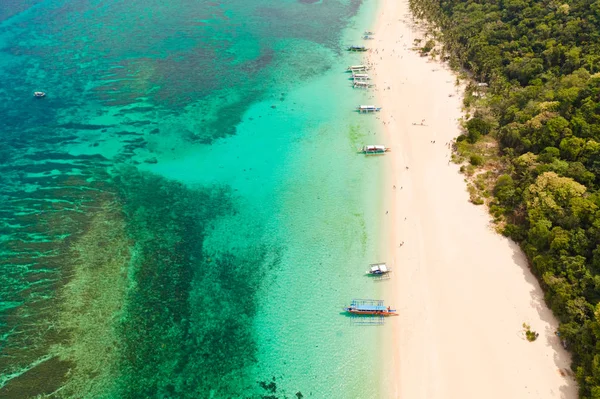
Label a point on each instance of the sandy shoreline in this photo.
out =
(463, 291)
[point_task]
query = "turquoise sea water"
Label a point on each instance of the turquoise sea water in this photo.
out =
(185, 214)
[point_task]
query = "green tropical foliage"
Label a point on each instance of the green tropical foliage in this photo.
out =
(541, 63)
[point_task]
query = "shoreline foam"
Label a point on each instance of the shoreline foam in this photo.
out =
(462, 290)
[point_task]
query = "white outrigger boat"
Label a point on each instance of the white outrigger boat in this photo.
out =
(359, 84)
(39, 94)
(360, 76)
(374, 149)
(357, 68)
(378, 269)
(368, 108)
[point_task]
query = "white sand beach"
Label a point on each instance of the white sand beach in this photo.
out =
(462, 290)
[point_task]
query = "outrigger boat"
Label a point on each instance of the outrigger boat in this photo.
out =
(39, 94)
(368, 108)
(368, 32)
(378, 269)
(360, 76)
(359, 84)
(357, 68)
(370, 307)
(374, 149)
(368, 37)
(357, 48)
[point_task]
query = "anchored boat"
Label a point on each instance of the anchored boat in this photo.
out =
(357, 48)
(368, 32)
(378, 269)
(370, 307)
(357, 68)
(360, 76)
(39, 94)
(368, 37)
(359, 84)
(368, 108)
(374, 149)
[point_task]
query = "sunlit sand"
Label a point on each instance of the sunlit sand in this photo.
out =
(463, 291)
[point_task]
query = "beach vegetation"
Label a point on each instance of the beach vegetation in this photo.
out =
(429, 45)
(474, 195)
(533, 108)
(529, 334)
(476, 160)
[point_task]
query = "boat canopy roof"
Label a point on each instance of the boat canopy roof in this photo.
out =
(368, 304)
(367, 107)
(368, 307)
(379, 266)
(375, 147)
(357, 67)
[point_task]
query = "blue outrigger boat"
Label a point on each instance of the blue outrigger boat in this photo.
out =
(370, 307)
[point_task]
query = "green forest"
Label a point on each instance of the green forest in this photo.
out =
(539, 64)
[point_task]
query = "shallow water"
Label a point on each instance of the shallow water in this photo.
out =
(185, 214)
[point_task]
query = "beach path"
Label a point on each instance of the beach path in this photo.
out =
(462, 290)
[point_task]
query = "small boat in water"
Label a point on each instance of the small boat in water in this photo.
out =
(370, 307)
(368, 37)
(359, 84)
(357, 48)
(368, 108)
(378, 269)
(360, 76)
(374, 149)
(357, 68)
(368, 32)
(39, 94)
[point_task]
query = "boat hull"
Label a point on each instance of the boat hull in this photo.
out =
(372, 312)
